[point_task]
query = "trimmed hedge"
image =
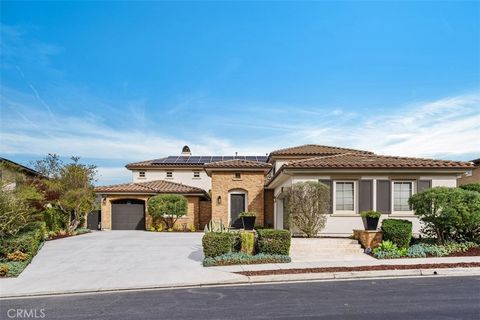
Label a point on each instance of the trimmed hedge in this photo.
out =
(471, 187)
(398, 231)
(217, 243)
(272, 241)
(242, 258)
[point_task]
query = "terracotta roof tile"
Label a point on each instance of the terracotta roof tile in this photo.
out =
(365, 161)
(314, 149)
(238, 163)
(157, 186)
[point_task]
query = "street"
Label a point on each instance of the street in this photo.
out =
(413, 298)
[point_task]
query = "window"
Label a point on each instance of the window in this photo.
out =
(141, 174)
(238, 175)
(469, 173)
(402, 191)
(196, 174)
(169, 174)
(344, 196)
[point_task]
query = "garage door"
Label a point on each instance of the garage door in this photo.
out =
(128, 215)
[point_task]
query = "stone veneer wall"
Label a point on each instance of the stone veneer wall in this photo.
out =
(191, 219)
(474, 178)
(268, 207)
(224, 181)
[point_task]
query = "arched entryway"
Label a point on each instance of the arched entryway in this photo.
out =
(128, 214)
(237, 202)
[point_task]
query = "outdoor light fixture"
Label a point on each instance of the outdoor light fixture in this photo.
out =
(219, 200)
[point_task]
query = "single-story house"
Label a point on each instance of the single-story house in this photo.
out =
(220, 187)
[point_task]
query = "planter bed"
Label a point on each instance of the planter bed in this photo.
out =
(472, 252)
(361, 268)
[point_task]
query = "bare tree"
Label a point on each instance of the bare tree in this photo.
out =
(308, 204)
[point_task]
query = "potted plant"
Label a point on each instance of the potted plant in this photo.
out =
(370, 219)
(248, 219)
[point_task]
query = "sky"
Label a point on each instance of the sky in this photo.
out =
(118, 82)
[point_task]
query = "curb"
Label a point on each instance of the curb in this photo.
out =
(298, 277)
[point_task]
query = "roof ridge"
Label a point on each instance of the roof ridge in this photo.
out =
(410, 158)
(323, 157)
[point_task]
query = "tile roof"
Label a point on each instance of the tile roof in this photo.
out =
(314, 150)
(366, 161)
(156, 186)
(238, 163)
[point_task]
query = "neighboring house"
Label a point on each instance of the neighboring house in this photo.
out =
(472, 175)
(220, 187)
(12, 173)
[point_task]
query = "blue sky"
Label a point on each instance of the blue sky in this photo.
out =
(115, 82)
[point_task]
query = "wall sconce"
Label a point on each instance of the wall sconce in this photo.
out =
(219, 200)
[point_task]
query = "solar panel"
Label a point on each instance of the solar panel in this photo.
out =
(194, 159)
(205, 159)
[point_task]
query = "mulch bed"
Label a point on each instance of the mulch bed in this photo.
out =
(361, 268)
(469, 252)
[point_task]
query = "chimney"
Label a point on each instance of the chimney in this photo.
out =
(186, 151)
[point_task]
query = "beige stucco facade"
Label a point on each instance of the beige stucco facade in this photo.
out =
(224, 183)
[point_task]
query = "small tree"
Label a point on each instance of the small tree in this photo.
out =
(308, 204)
(168, 208)
(71, 186)
(449, 213)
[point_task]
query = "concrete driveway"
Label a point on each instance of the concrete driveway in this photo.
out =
(109, 260)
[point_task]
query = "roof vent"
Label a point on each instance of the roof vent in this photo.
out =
(186, 151)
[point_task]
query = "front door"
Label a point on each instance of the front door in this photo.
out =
(237, 205)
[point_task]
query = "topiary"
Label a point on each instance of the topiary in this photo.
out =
(272, 241)
(216, 243)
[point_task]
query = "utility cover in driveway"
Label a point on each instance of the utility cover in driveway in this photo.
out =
(128, 215)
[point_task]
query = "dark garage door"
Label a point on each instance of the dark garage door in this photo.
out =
(128, 215)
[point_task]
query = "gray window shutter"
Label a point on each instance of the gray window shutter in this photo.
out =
(384, 196)
(365, 195)
(423, 185)
(329, 183)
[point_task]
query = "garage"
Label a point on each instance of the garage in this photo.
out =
(128, 214)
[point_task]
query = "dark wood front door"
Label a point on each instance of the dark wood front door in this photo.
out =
(237, 205)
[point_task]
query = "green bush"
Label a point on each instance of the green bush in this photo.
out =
(422, 250)
(55, 219)
(449, 214)
(27, 242)
(471, 187)
(167, 208)
(398, 231)
(16, 267)
(370, 214)
(247, 242)
(242, 258)
(217, 243)
(272, 241)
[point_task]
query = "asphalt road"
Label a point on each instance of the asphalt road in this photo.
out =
(415, 298)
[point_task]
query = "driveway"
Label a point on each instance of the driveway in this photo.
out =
(109, 260)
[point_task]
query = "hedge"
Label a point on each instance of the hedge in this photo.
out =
(217, 243)
(272, 241)
(242, 258)
(471, 187)
(398, 231)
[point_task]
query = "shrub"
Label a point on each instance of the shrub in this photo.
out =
(449, 213)
(272, 241)
(168, 208)
(247, 242)
(27, 242)
(216, 243)
(308, 204)
(242, 258)
(417, 251)
(16, 267)
(389, 250)
(17, 255)
(83, 230)
(3, 269)
(55, 219)
(471, 187)
(370, 214)
(398, 231)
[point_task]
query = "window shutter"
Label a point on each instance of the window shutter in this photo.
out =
(423, 185)
(365, 195)
(384, 196)
(329, 184)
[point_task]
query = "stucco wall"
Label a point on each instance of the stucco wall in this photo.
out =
(184, 176)
(343, 224)
(224, 181)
